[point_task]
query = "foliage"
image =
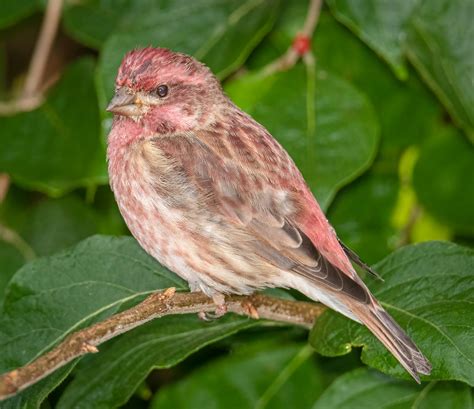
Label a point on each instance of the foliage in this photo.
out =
(382, 129)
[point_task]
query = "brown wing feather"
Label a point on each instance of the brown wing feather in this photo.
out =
(307, 260)
(260, 212)
(356, 259)
(255, 203)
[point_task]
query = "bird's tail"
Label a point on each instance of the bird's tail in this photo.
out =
(353, 299)
(384, 327)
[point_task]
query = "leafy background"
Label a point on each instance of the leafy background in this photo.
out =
(382, 130)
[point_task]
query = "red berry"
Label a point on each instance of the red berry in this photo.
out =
(302, 44)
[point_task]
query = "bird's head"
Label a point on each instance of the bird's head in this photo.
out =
(164, 91)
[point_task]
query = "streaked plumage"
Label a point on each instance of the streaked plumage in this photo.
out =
(211, 194)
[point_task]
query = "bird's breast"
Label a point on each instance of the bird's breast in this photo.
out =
(159, 207)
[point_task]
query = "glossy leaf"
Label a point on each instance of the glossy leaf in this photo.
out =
(367, 389)
(447, 163)
(434, 34)
(262, 376)
(91, 22)
(11, 260)
(316, 123)
(110, 377)
(394, 102)
(110, 219)
(14, 10)
(429, 290)
(50, 225)
(94, 21)
(57, 147)
(439, 46)
(379, 24)
(50, 297)
(361, 214)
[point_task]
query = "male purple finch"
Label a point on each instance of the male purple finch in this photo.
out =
(208, 192)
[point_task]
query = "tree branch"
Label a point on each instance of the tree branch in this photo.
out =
(302, 43)
(156, 305)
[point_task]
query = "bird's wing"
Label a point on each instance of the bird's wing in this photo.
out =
(262, 196)
(267, 199)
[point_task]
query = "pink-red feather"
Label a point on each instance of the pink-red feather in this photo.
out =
(211, 194)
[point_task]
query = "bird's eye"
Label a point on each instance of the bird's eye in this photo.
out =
(162, 91)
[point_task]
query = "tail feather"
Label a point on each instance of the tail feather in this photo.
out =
(349, 296)
(384, 327)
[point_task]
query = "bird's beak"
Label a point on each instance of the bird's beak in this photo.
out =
(125, 103)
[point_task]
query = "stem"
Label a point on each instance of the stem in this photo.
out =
(31, 97)
(291, 56)
(4, 185)
(405, 233)
(43, 48)
(12, 237)
(312, 17)
(155, 306)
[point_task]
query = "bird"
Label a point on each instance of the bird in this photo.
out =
(208, 192)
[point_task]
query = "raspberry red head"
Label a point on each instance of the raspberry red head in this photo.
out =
(164, 91)
(144, 69)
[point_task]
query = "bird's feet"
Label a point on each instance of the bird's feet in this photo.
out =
(250, 310)
(221, 308)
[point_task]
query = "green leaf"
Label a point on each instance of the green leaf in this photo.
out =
(51, 297)
(109, 378)
(91, 22)
(379, 24)
(57, 147)
(446, 161)
(14, 10)
(10, 260)
(50, 225)
(406, 110)
(434, 34)
(57, 224)
(110, 220)
(367, 389)
(319, 117)
(439, 46)
(260, 376)
(361, 214)
(174, 23)
(429, 290)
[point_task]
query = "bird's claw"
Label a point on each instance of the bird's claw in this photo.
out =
(250, 310)
(221, 309)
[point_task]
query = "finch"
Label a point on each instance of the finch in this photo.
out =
(209, 193)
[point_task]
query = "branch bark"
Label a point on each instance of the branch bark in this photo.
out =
(156, 305)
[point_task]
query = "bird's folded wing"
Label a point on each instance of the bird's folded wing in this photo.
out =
(260, 206)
